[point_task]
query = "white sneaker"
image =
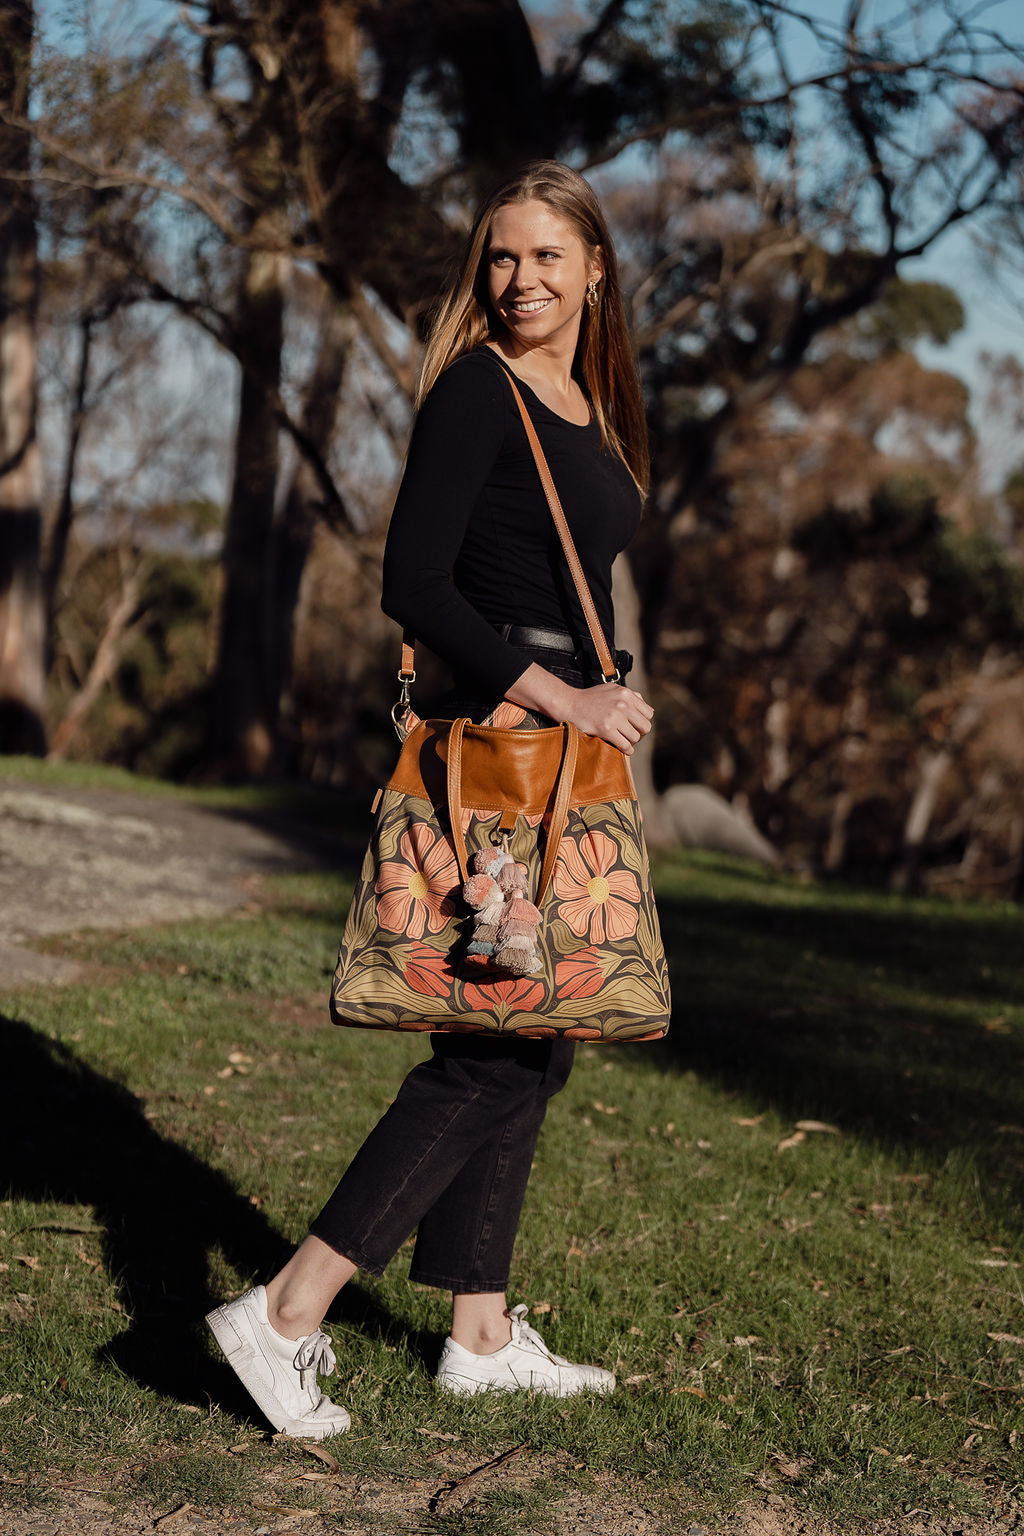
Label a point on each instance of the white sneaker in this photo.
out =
(279, 1373)
(524, 1364)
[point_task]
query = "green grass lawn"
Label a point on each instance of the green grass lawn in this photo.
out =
(793, 1228)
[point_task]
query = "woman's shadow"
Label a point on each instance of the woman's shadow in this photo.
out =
(73, 1136)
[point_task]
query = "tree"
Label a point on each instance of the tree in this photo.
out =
(22, 599)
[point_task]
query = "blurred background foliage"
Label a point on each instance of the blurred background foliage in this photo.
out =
(225, 224)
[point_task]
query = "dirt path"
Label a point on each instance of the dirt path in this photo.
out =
(355, 1505)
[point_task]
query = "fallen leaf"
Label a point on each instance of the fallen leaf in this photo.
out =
(187, 1408)
(747, 1119)
(283, 1509)
(226, 1072)
(997, 1263)
(574, 1253)
(751, 1338)
(436, 1434)
(693, 1392)
(634, 1381)
(236, 1058)
(1005, 1338)
(971, 1440)
(163, 1520)
(637, 1331)
(817, 1125)
(30, 1260)
(880, 1450)
(540, 1308)
(904, 1349)
(10, 1397)
(324, 1456)
(980, 1423)
(4, 1269)
(997, 1026)
(791, 1141)
(792, 1469)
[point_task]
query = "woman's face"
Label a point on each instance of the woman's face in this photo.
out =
(538, 269)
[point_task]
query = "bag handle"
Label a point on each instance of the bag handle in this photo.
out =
(559, 809)
(609, 671)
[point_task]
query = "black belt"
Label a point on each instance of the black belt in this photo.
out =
(557, 640)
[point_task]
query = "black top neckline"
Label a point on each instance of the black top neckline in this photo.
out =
(575, 426)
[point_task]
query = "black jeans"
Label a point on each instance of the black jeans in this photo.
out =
(452, 1156)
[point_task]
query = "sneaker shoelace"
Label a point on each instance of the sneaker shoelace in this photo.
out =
(523, 1334)
(314, 1355)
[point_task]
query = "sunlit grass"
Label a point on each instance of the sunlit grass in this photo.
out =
(793, 1228)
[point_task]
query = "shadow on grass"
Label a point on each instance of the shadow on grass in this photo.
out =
(886, 1020)
(74, 1136)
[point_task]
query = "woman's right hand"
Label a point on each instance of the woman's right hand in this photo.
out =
(619, 715)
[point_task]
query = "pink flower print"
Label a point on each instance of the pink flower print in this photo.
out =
(427, 971)
(578, 975)
(413, 891)
(594, 897)
(511, 994)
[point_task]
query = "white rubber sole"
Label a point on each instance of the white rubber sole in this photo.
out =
(469, 1386)
(242, 1360)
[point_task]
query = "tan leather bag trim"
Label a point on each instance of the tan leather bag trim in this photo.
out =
(503, 769)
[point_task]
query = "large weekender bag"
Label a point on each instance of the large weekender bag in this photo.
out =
(562, 807)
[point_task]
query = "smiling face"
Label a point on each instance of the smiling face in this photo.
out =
(537, 274)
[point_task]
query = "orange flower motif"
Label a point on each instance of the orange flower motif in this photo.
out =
(513, 994)
(594, 897)
(413, 892)
(427, 971)
(578, 975)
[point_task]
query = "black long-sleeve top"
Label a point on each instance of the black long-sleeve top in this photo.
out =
(472, 545)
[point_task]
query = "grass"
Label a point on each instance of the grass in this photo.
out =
(793, 1228)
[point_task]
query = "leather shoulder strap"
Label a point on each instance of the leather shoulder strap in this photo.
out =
(597, 635)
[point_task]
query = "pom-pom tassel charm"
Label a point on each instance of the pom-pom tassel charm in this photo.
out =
(485, 893)
(505, 922)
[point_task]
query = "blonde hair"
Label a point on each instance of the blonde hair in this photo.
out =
(464, 317)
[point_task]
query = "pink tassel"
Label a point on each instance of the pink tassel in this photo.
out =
(510, 929)
(481, 890)
(519, 910)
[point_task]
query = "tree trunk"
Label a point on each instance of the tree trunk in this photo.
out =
(58, 546)
(243, 722)
(22, 601)
(304, 499)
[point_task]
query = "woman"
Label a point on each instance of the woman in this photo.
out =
(473, 567)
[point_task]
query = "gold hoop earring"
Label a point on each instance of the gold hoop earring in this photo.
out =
(592, 298)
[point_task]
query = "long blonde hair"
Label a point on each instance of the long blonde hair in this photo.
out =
(464, 317)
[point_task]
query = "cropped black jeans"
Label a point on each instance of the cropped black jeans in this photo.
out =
(451, 1156)
(453, 1153)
